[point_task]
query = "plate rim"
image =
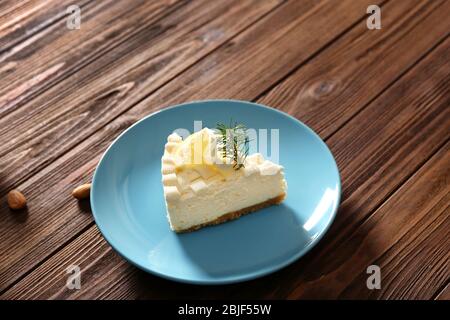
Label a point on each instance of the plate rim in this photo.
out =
(228, 280)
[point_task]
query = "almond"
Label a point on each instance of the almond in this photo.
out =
(16, 200)
(82, 192)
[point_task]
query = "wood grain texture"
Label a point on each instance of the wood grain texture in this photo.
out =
(58, 52)
(384, 135)
(419, 263)
(379, 98)
(61, 213)
(78, 106)
(108, 272)
(20, 20)
(376, 151)
(142, 73)
(423, 198)
(328, 91)
(445, 293)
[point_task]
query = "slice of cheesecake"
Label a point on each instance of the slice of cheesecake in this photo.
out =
(202, 187)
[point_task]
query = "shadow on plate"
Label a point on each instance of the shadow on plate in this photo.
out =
(261, 240)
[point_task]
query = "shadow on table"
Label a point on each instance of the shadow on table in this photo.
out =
(85, 206)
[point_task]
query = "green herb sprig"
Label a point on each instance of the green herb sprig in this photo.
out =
(233, 143)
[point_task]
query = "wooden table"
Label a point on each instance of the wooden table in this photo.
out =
(379, 98)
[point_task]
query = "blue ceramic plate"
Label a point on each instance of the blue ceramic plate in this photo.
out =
(128, 204)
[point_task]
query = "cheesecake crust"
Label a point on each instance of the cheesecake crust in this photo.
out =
(236, 214)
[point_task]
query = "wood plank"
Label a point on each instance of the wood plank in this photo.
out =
(57, 271)
(425, 87)
(77, 106)
(20, 20)
(104, 271)
(378, 149)
(7, 6)
(414, 142)
(416, 266)
(361, 81)
(33, 66)
(326, 92)
(60, 222)
(184, 50)
(423, 197)
(445, 293)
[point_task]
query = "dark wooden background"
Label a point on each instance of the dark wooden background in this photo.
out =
(379, 98)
